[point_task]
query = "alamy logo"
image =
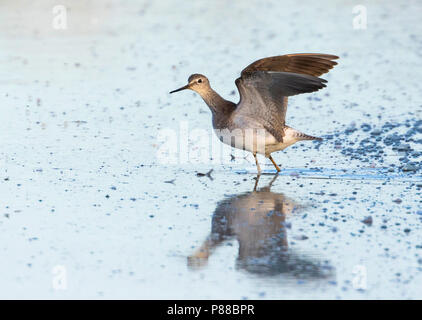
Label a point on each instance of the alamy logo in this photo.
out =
(360, 19)
(59, 17)
(198, 146)
(359, 281)
(59, 277)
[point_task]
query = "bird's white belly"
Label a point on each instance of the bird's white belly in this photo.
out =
(289, 138)
(254, 140)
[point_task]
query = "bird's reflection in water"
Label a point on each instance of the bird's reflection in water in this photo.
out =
(257, 220)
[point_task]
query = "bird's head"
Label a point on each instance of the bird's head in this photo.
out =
(196, 82)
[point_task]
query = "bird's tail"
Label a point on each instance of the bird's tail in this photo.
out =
(303, 136)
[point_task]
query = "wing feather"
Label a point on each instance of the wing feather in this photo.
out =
(265, 84)
(314, 64)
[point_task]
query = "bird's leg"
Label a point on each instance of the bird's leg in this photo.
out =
(256, 182)
(257, 164)
(275, 164)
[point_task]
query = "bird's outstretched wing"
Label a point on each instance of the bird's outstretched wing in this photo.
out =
(265, 85)
(313, 64)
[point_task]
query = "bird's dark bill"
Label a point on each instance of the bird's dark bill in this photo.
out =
(180, 89)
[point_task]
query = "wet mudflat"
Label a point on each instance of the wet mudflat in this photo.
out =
(89, 210)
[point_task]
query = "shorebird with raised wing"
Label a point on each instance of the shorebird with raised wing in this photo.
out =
(257, 122)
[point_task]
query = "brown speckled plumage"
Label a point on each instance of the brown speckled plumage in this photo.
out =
(264, 87)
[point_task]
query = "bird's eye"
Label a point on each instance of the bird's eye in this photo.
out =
(199, 80)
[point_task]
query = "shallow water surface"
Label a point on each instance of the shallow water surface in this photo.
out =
(88, 209)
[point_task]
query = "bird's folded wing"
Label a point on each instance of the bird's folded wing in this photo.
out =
(263, 96)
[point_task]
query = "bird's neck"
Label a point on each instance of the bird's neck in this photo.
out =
(216, 103)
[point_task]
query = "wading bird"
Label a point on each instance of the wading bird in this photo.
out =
(257, 122)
